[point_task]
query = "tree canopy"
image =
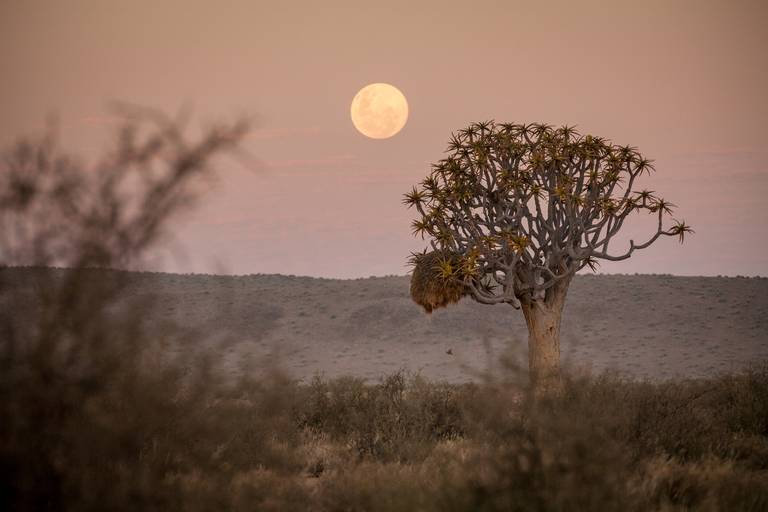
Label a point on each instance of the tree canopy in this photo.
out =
(514, 209)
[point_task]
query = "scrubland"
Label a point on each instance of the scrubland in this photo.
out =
(118, 391)
(95, 415)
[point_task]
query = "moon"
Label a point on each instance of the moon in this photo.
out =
(379, 111)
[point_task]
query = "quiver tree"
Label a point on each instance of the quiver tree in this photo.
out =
(514, 211)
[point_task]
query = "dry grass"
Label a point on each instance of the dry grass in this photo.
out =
(163, 439)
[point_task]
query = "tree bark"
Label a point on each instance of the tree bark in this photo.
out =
(543, 320)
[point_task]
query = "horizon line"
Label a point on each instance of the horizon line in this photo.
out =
(304, 276)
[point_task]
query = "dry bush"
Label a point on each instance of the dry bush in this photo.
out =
(398, 420)
(605, 444)
(83, 411)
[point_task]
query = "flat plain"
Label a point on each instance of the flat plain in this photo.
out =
(643, 326)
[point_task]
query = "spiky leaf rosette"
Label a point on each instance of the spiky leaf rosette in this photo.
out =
(521, 208)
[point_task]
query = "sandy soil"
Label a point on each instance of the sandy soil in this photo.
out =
(647, 326)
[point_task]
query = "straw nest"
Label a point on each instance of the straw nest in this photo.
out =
(429, 288)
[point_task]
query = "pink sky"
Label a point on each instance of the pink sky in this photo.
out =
(684, 81)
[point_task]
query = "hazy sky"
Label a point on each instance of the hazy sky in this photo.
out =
(684, 81)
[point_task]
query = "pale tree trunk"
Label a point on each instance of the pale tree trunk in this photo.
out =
(543, 320)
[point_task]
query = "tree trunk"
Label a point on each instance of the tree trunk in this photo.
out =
(543, 320)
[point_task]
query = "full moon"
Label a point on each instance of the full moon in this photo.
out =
(379, 111)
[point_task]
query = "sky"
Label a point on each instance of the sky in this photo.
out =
(684, 81)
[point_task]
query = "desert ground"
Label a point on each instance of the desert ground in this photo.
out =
(644, 326)
(89, 407)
